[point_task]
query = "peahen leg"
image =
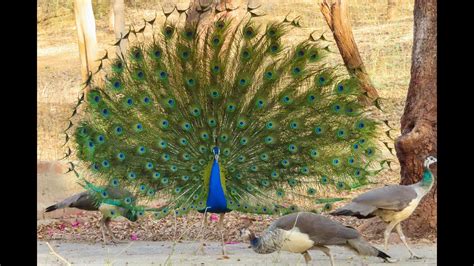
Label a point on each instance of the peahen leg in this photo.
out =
(386, 234)
(402, 237)
(102, 225)
(109, 231)
(326, 251)
(307, 257)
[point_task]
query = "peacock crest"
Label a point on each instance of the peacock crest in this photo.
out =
(227, 115)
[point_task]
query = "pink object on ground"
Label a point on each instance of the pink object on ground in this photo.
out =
(232, 243)
(133, 236)
(76, 224)
(62, 226)
(214, 217)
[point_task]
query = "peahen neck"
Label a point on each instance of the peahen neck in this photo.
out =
(427, 180)
(216, 200)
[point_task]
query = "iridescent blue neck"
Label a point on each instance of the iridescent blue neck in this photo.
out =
(427, 177)
(216, 201)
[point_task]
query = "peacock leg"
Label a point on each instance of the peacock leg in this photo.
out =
(326, 251)
(386, 234)
(221, 229)
(402, 237)
(201, 242)
(307, 257)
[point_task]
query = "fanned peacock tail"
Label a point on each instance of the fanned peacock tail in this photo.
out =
(286, 126)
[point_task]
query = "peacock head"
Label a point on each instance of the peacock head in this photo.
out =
(429, 160)
(216, 152)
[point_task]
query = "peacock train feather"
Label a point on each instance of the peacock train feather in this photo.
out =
(224, 117)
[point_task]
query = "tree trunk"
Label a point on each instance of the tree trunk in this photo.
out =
(85, 24)
(111, 15)
(335, 14)
(391, 9)
(419, 122)
(119, 25)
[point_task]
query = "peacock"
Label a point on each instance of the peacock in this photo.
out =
(225, 116)
(87, 201)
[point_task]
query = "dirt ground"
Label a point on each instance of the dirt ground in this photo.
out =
(169, 253)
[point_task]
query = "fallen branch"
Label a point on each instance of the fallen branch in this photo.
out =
(57, 255)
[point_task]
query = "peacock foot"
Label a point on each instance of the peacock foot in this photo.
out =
(416, 257)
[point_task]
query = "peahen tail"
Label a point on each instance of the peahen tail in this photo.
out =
(189, 104)
(365, 248)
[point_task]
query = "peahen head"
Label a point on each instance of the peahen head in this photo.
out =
(244, 231)
(246, 234)
(429, 160)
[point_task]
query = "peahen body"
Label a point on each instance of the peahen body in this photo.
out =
(87, 201)
(304, 231)
(227, 117)
(393, 203)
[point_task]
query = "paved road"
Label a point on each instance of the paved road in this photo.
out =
(158, 253)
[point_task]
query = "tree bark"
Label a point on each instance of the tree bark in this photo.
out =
(111, 15)
(419, 122)
(119, 25)
(335, 14)
(85, 24)
(391, 9)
